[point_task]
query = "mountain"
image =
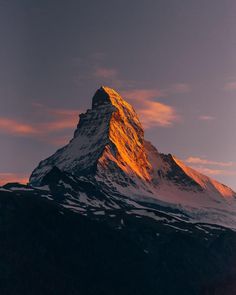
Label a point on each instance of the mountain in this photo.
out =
(109, 214)
(108, 149)
(47, 249)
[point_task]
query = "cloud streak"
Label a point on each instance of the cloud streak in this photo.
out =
(230, 86)
(55, 123)
(206, 118)
(214, 172)
(105, 73)
(197, 160)
(152, 113)
(14, 127)
(212, 168)
(13, 177)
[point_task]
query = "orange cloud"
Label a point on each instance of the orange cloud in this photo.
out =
(105, 73)
(152, 113)
(205, 166)
(142, 94)
(206, 118)
(55, 121)
(212, 172)
(197, 160)
(63, 119)
(230, 85)
(179, 88)
(14, 127)
(13, 177)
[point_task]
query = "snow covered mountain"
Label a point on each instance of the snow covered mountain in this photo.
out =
(109, 151)
(109, 214)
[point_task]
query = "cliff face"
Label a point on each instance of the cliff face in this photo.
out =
(126, 140)
(108, 142)
(109, 149)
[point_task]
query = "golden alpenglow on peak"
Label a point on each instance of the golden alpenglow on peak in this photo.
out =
(125, 133)
(109, 146)
(106, 95)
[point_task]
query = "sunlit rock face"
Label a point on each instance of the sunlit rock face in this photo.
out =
(108, 143)
(126, 137)
(109, 150)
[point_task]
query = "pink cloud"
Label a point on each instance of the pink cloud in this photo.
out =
(202, 161)
(13, 177)
(230, 85)
(62, 119)
(13, 127)
(142, 94)
(105, 73)
(211, 168)
(54, 122)
(152, 113)
(206, 118)
(151, 93)
(213, 172)
(179, 88)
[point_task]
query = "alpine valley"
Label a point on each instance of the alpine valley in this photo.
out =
(109, 214)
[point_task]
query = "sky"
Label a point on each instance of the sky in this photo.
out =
(174, 61)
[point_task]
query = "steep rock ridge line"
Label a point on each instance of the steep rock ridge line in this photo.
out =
(126, 135)
(108, 138)
(109, 147)
(109, 156)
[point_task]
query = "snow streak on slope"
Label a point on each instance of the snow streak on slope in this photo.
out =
(108, 141)
(205, 182)
(109, 150)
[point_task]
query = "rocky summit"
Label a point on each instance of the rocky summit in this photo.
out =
(109, 150)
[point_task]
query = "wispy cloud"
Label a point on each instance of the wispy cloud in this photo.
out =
(214, 172)
(105, 73)
(179, 88)
(53, 126)
(152, 113)
(197, 160)
(230, 86)
(14, 127)
(206, 118)
(212, 168)
(13, 177)
(142, 94)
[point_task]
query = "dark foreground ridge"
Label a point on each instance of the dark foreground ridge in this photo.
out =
(48, 249)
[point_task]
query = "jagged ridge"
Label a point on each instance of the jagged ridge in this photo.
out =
(109, 137)
(109, 149)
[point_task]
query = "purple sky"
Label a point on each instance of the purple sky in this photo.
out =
(175, 61)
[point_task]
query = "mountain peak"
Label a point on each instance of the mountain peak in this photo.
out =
(109, 149)
(108, 96)
(108, 143)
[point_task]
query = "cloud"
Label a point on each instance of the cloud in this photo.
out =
(13, 177)
(197, 160)
(230, 86)
(179, 88)
(142, 94)
(212, 168)
(152, 113)
(63, 119)
(13, 127)
(206, 118)
(109, 77)
(51, 128)
(105, 73)
(214, 172)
